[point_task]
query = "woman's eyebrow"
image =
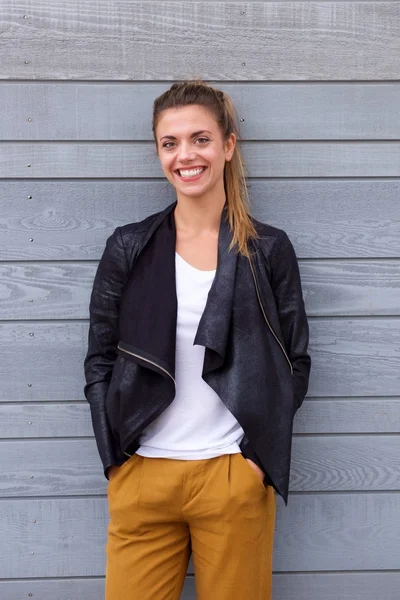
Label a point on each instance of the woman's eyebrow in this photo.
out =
(172, 137)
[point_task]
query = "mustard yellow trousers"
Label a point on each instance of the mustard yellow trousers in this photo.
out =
(164, 510)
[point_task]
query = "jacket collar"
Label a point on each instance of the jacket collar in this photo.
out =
(151, 297)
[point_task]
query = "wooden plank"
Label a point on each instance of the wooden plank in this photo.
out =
(72, 419)
(314, 532)
(57, 350)
(351, 357)
(290, 111)
(319, 464)
(71, 589)
(334, 586)
(331, 288)
(51, 468)
(286, 586)
(70, 220)
(351, 287)
(338, 532)
(51, 589)
(345, 463)
(158, 40)
(362, 415)
(24, 160)
(39, 291)
(46, 420)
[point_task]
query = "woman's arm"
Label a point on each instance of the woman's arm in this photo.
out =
(109, 282)
(286, 285)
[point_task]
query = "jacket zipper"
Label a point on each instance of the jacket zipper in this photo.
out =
(152, 363)
(149, 361)
(266, 319)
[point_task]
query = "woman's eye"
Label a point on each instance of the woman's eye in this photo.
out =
(202, 140)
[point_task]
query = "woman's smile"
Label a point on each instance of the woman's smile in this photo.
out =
(192, 174)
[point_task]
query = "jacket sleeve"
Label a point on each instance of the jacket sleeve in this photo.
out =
(286, 285)
(108, 285)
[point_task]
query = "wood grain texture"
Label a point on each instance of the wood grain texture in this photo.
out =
(335, 586)
(319, 464)
(70, 220)
(59, 291)
(344, 532)
(336, 288)
(128, 40)
(264, 159)
(351, 357)
(290, 111)
(314, 532)
(369, 415)
(286, 586)
(317, 416)
(47, 420)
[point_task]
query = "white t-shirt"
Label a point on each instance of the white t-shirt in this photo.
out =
(196, 424)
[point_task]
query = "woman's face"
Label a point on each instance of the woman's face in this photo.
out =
(192, 151)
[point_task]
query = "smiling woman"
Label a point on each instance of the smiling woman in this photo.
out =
(197, 362)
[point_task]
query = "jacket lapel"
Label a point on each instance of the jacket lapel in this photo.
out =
(214, 326)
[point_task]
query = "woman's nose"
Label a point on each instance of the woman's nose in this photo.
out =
(185, 153)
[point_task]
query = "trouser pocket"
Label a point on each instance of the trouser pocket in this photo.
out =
(251, 472)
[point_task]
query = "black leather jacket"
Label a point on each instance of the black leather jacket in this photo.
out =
(254, 329)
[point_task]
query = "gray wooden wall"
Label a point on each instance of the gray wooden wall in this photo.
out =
(317, 88)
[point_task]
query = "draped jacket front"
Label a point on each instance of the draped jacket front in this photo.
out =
(254, 329)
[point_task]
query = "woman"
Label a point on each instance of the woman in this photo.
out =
(197, 363)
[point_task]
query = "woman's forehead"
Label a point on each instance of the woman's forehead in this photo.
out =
(185, 119)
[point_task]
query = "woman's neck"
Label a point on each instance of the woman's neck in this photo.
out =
(197, 216)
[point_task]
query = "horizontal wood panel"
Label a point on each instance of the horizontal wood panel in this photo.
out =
(70, 220)
(44, 290)
(158, 40)
(264, 159)
(326, 111)
(286, 586)
(351, 357)
(314, 532)
(370, 415)
(334, 586)
(351, 287)
(343, 532)
(74, 589)
(46, 420)
(345, 463)
(60, 291)
(319, 463)
(69, 419)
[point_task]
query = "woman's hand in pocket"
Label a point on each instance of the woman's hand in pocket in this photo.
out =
(256, 468)
(112, 471)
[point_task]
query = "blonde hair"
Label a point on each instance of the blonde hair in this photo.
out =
(221, 106)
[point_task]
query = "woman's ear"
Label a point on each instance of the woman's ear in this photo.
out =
(230, 145)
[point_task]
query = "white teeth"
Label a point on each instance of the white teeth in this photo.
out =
(191, 172)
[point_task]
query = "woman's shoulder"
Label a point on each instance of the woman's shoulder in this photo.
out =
(134, 232)
(138, 227)
(269, 234)
(274, 244)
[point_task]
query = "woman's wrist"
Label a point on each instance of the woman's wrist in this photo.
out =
(111, 471)
(256, 468)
